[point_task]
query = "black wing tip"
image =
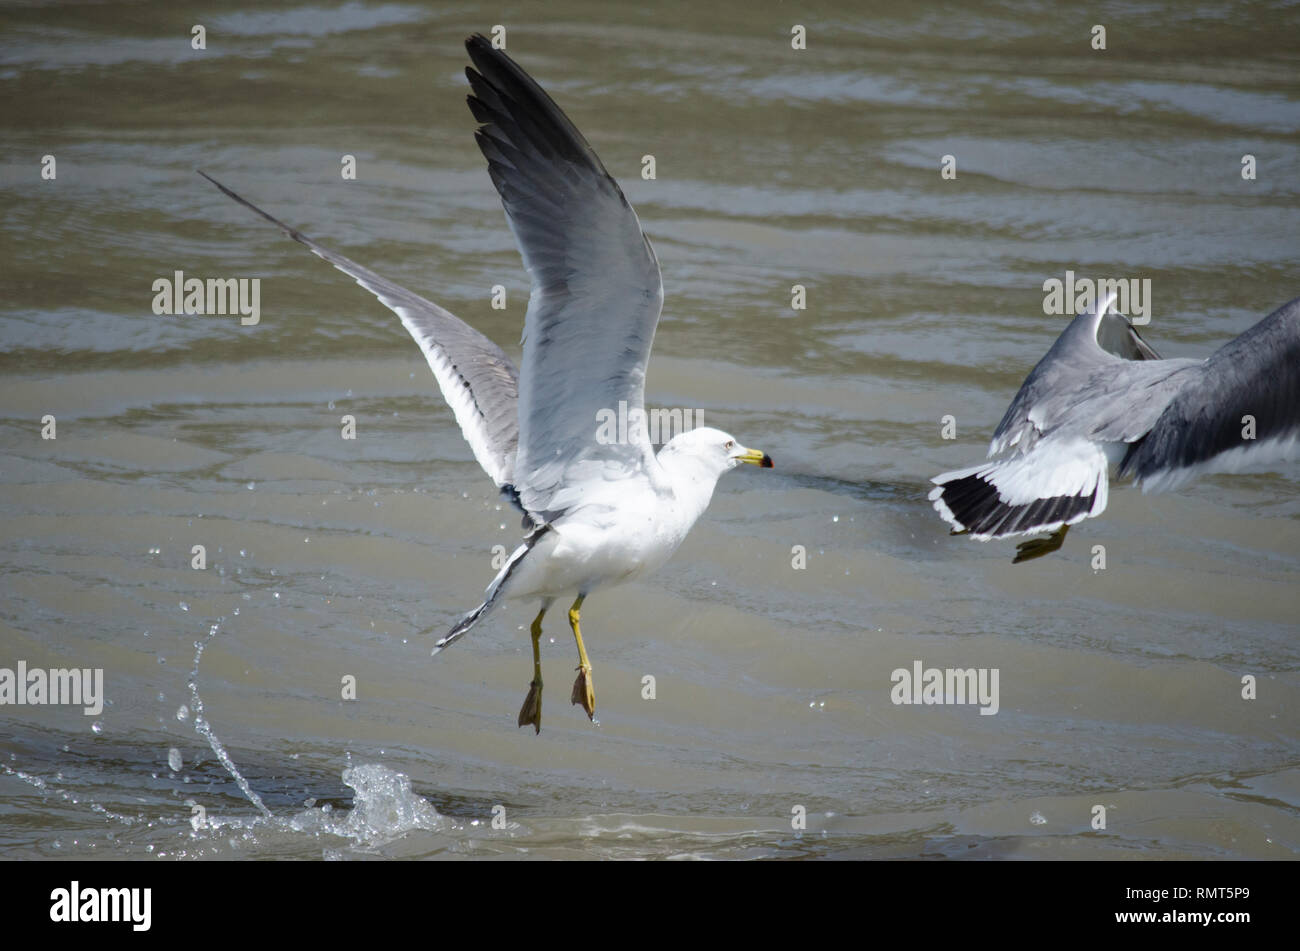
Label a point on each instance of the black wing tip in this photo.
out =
(289, 230)
(976, 506)
(479, 109)
(484, 55)
(199, 171)
(228, 192)
(513, 101)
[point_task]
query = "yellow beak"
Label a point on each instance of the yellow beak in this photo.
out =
(756, 457)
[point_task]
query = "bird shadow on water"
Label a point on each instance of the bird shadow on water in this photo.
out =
(903, 525)
(864, 490)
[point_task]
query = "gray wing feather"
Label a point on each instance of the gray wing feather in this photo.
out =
(1116, 335)
(477, 379)
(596, 293)
(1100, 380)
(1257, 374)
(1121, 400)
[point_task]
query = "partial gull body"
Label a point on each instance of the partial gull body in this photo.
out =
(1101, 397)
(597, 512)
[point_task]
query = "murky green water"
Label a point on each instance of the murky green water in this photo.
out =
(774, 167)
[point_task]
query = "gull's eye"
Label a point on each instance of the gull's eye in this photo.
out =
(731, 443)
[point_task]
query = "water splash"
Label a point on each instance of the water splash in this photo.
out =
(384, 808)
(45, 788)
(202, 727)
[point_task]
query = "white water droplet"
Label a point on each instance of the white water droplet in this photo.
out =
(174, 759)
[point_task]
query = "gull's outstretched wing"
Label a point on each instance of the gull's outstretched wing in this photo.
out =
(1205, 428)
(1092, 341)
(1099, 384)
(596, 292)
(477, 379)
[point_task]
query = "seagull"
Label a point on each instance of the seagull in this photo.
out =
(598, 509)
(1101, 397)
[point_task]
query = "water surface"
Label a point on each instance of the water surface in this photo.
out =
(329, 559)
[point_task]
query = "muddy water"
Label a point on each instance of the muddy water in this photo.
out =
(330, 559)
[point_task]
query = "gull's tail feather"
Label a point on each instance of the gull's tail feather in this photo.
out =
(1053, 485)
(490, 596)
(464, 624)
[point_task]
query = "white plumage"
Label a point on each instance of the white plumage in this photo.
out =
(598, 511)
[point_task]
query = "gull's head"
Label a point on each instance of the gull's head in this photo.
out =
(713, 450)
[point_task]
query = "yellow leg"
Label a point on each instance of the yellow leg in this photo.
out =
(583, 690)
(1038, 547)
(531, 711)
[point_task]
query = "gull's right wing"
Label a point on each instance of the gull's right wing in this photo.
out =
(477, 379)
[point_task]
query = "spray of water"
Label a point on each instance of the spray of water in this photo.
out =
(202, 726)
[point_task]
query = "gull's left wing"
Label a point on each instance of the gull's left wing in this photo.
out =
(1241, 411)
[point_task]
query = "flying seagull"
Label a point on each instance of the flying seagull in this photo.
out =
(597, 511)
(1102, 397)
